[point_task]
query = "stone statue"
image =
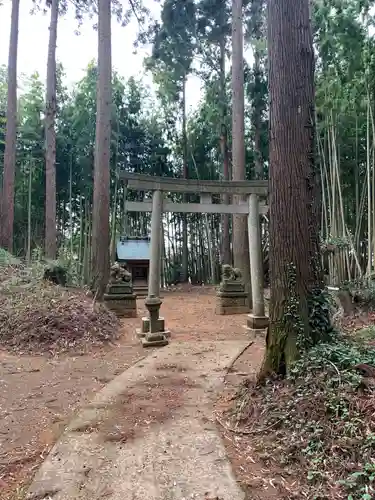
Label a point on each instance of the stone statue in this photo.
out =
(230, 273)
(119, 296)
(231, 295)
(119, 274)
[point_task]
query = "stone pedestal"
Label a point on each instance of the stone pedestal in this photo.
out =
(231, 295)
(120, 299)
(159, 323)
(232, 299)
(256, 325)
(153, 333)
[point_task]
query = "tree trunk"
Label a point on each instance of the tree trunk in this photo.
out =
(163, 263)
(50, 134)
(240, 233)
(114, 210)
(86, 241)
(125, 215)
(114, 221)
(225, 242)
(7, 212)
(296, 278)
(100, 221)
(29, 193)
(259, 173)
(81, 215)
(185, 259)
(71, 203)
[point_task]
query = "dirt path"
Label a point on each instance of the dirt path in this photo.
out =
(39, 395)
(257, 481)
(149, 434)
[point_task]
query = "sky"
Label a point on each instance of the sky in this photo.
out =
(76, 51)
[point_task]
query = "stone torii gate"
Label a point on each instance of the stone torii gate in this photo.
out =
(153, 332)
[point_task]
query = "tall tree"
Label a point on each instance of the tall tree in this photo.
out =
(240, 232)
(226, 253)
(7, 212)
(173, 51)
(213, 29)
(295, 271)
(256, 32)
(50, 136)
(30, 178)
(100, 218)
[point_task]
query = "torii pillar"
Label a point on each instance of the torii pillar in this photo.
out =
(153, 333)
(257, 320)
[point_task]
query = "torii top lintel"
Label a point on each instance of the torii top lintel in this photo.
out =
(141, 182)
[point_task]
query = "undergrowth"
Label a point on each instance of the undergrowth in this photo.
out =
(48, 318)
(362, 292)
(319, 424)
(38, 316)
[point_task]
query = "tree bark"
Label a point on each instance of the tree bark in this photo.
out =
(50, 135)
(29, 194)
(257, 22)
(240, 232)
(295, 265)
(226, 257)
(7, 211)
(185, 258)
(100, 222)
(114, 220)
(259, 170)
(225, 240)
(81, 215)
(71, 230)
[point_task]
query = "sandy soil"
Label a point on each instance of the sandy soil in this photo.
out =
(39, 395)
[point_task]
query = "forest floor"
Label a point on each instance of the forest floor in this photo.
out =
(40, 394)
(312, 435)
(288, 439)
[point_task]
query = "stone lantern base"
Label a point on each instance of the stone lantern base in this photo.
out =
(153, 333)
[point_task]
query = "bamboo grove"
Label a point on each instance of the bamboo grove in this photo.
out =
(157, 135)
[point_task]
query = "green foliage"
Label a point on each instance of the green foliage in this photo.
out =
(336, 241)
(311, 322)
(173, 44)
(138, 144)
(71, 265)
(55, 273)
(317, 424)
(7, 259)
(320, 304)
(213, 32)
(343, 352)
(3, 87)
(362, 292)
(361, 482)
(332, 365)
(30, 155)
(147, 137)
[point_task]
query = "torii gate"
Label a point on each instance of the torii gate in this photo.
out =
(153, 330)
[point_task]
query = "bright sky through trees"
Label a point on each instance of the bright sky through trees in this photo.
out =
(73, 51)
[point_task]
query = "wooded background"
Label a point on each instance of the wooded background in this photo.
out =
(158, 136)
